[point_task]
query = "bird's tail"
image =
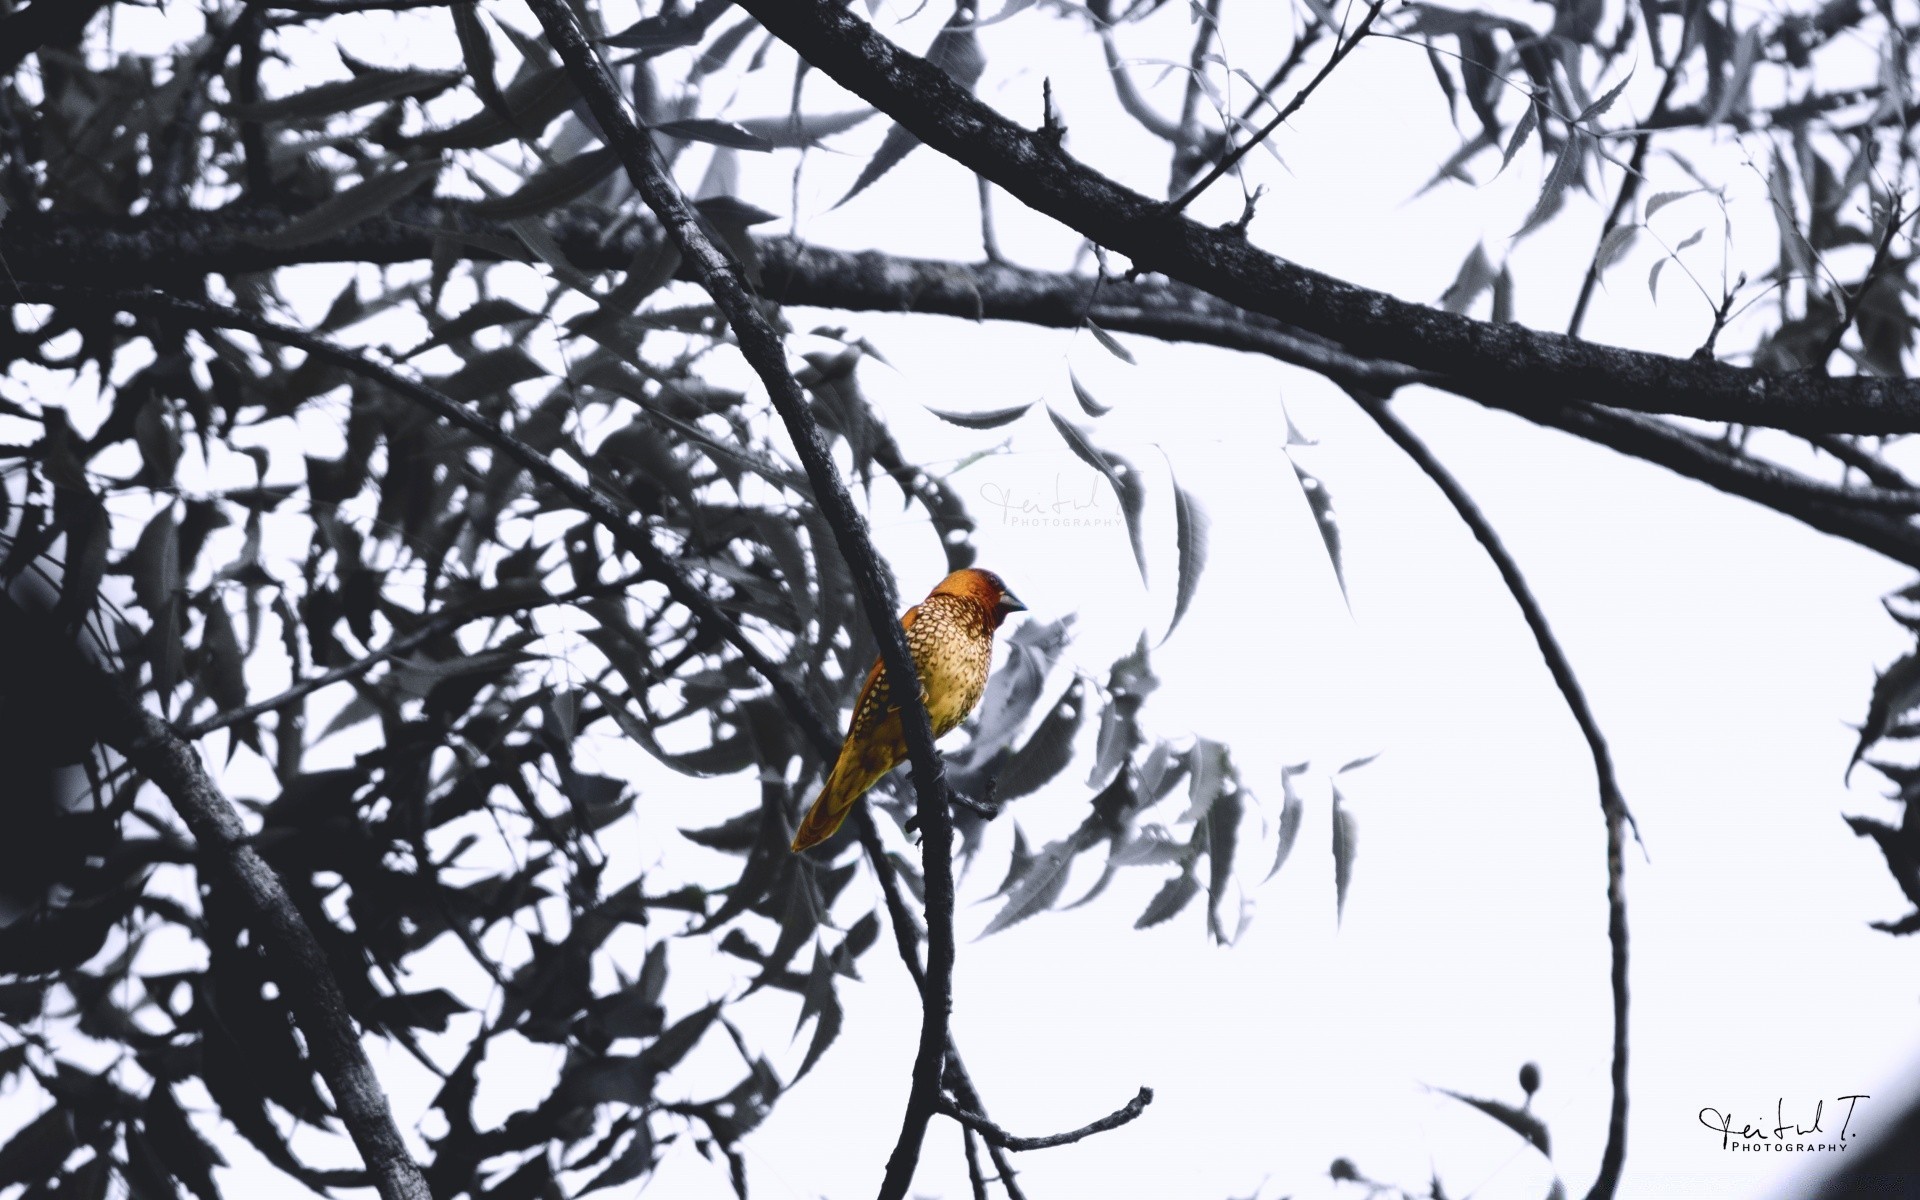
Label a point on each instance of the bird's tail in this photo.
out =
(844, 786)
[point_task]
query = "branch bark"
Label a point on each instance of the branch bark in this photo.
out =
(997, 1136)
(302, 973)
(1520, 365)
(764, 351)
(171, 248)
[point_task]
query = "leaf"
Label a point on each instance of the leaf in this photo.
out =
(482, 314)
(1733, 95)
(714, 132)
(798, 129)
(1474, 277)
(1522, 129)
(955, 50)
(224, 672)
(363, 201)
(1320, 502)
(1211, 777)
(37, 1150)
(477, 49)
(532, 102)
(1047, 752)
(1896, 691)
(680, 1038)
(1176, 895)
(1660, 200)
(1614, 245)
(1223, 835)
(818, 1000)
(1088, 404)
(991, 419)
(1600, 106)
(1524, 1123)
(1190, 526)
(1565, 169)
(328, 99)
(552, 187)
(187, 1156)
(1120, 474)
(1290, 814)
(1040, 885)
(1112, 346)
(1346, 836)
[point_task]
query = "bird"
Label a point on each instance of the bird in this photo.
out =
(951, 636)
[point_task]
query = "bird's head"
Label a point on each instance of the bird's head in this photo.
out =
(985, 589)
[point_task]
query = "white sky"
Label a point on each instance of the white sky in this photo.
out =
(1723, 649)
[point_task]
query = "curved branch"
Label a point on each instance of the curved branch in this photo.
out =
(1520, 364)
(997, 1136)
(1613, 806)
(763, 349)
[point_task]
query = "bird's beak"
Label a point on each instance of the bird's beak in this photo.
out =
(1010, 603)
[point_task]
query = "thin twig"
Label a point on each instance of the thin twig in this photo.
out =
(1233, 157)
(1850, 310)
(976, 1178)
(997, 1136)
(1622, 203)
(1613, 807)
(1186, 143)
(763, 349)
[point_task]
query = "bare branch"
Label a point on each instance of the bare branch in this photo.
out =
(1613, 807)
(997, 1136)
(1239, 152)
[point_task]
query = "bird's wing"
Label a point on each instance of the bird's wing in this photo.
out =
(874, 675)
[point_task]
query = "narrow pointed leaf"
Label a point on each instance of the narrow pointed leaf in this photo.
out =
(1346, 836)
(364, 200)
(1190, 537)
(1112, 346)
(1088, 404)
(718, 133)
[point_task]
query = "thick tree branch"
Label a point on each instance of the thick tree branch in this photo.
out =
(1519, 364)
(1613, 806)
(304, 977)
(185, 246)
(763, 349)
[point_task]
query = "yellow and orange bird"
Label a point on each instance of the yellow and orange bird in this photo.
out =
(951, 636)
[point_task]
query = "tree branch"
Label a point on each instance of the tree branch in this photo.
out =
(306, 981)
(763, 349)
(997, 1136)
(1519, 364)
(182, 247)
(1613, 806)
(1233, 157)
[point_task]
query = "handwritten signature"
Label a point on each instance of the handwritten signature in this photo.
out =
(1013, 506)
(1723, 1124)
